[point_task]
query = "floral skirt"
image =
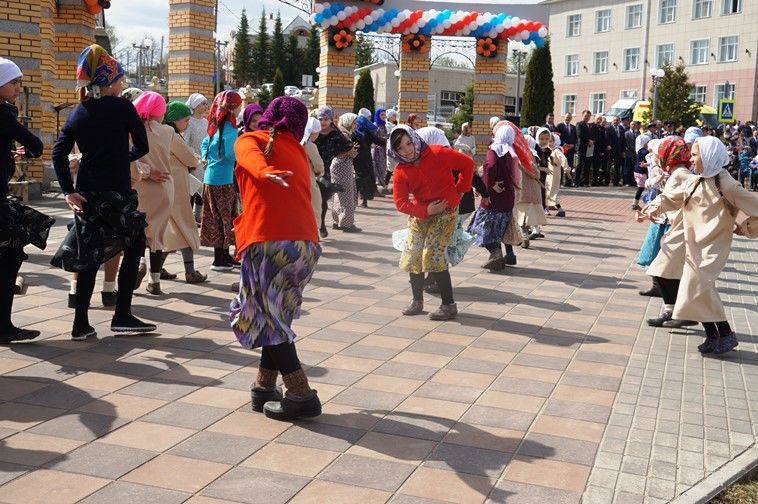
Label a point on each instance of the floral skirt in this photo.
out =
(426, 244)
(489, 227)
(455, 251)
(273, 276)
(21, 225)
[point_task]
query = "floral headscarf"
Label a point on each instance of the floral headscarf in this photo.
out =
(222, 111)
(412, 120)
(247, 115)
(521, 147)
(346, 122)
(131, 93)
(150, 104)
(95, 68)
(378, 117)
(673, 152)
(325, 112)
(285, 113)
(418, 144)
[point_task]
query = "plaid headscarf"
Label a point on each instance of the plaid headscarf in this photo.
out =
(418, 144)
(285, 113)
(221, 111)
(672, 152)
(95, 69)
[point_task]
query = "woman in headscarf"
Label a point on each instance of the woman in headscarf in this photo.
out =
(334, 147)
(412, 121)
(197, 130)
(181, 232)
(391, 123)
(106, 218)
(250, 117)
(366, 137)
(467, 138)
(426, 173)
(710, 203)
(343, 173)
(379, 152)
(640, 167)
(312, 130)
(277, 243)
(219, 195)
(19, 224)
(530, 214)
(151, 177)
(131, 94)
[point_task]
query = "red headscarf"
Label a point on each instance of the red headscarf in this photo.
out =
(523, 152)
(222, 110)
(673, 152)
(412, 120)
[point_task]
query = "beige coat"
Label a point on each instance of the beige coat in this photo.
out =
(709, 224)
(156, 199)
(553, 181)
(529, 211)
(670, 260)
(317, 169)
(181, 231)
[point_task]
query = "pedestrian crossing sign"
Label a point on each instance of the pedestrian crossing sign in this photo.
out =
(726, 110)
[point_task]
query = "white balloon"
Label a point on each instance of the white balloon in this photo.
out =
(341, 15)
(480, 19)
(395, 22)
(368, 19)
(421, 22)
(524, 34)
(414, 29)
(542, 32)
(447, 24)
(318, 8)
(313, 18)
(334, 20)
(516, 20)
(360, 25)
(492, 34)
(473, 25)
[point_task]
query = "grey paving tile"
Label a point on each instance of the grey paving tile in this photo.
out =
(369, 399)
(121, 491)
(333, 376)
(191, 416)
(523, 386)
(61, 396)
(436, 348)
(468, 460)
(322, 436)
(476, 366)
(10, 471)
(414, 426)
(497, 417)
(522, 493)
(79, 426)
(156, 389)
(102, 460)
(447, 392)
(591, 381)
(367, 472)
(577, 411)
(558, 448)
(498, 344)
(270, 487)
(541, 361)
(370, 352)
(403, 370)
(217, 447)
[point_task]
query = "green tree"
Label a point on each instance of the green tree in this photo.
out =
(261, 57)
(278, 46)
(517, 59)
(465, 110)
(264, 97)
(312, 53)
(278, 89)
(364, 92)
(672, 98)
(243, 50)
(294, 64)
(539, 90)
(450, 62)
(364, 51)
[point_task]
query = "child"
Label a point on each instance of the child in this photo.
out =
(529, 212)
(426, 172)
(710, 204)
(558, 165)
(640, 168)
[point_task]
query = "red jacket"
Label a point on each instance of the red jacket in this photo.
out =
(430, 179)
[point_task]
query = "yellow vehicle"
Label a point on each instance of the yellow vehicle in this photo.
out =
(707, 116)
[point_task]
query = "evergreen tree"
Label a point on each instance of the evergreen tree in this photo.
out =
(261, 57)
(312, 54)
(672, 98)
(465, 111)
(364, 92)
(293, 69)
(364, 51)
(243, 70)
(264, 98)
(278, 89)
(278, 46)
(539, 90)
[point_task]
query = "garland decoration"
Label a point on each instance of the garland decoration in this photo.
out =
(415, 43)
(486, 47)
(340, 39)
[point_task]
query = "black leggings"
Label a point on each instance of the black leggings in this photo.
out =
(717, 329)
(444, 283)
(324, 207)
(492, 247)
(282, 358)
(640, 190)
(12, 260)
(668, 288)
(127, 276)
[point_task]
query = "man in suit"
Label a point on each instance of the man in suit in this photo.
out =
(752, 142)
(550, 123)
(616, 146)
(630, 154)
(586, 135)
(600, 159)
(568, 139)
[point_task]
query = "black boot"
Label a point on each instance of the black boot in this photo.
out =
(292, 407)
(260, 396)
(652, 292)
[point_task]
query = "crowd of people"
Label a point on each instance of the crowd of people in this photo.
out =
(143, 175)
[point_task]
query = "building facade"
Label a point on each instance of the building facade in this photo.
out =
(604, 50)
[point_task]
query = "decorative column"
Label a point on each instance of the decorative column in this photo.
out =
(336, 78)
(191, 46)
(413, 95)
(489, 89)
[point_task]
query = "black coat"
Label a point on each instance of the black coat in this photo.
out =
(585, 132)
(616, 140)
(568, 133)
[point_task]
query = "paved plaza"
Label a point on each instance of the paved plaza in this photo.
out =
(549, 388)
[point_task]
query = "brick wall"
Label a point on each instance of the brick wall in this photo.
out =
(489, 95)
(191, 62)
(414, 85)
(336, 79)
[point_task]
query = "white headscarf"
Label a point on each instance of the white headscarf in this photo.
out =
(641, 141)
(9, 71)
(365, 113)
(493, 121)
(539, 132)
(433, 136)
(532, 144)
(195, 100)
(502, 143)
(391, 114)
(313, 126)
(713, 154)
(557, 139)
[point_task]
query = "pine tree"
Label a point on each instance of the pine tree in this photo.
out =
(538, 97)
(278, 89)
(364, 92)
(364, 51)
(264, 97)
(293, 67)
(465, 111)
(312, 54)
(243, 71)
(278, 45)
(673, 98)
(261, 57)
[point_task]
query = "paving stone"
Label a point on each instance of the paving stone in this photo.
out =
(103, 460)
(414, 426)
(577, 411)
(468, 460)
(121, 491)
(403, 370)
(322, 436)
(497, 417)
(217, 447)
(191, 416)
(79, 426)
(448, 392)
(558, 448)
(270, 487)
(367, 472)
(521, 493)
(159, 390)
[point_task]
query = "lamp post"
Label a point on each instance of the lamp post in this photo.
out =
(727, 91)
(656, 74)
(146, 44)
(518, 56)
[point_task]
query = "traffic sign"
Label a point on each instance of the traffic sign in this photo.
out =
(726, 110)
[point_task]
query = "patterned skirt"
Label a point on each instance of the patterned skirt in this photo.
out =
(426, 244)
(455, 251)
(219, 211)
(272, 279)
(489, 227)
(21, 225)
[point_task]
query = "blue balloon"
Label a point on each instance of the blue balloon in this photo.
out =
(540, 42)
(319, 18)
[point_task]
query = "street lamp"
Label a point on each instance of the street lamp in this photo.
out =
(519, 57)
(146, 44)
(656, 74)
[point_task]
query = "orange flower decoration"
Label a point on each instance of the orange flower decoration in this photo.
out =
(486, 47)
(415, 43)
(342, 39)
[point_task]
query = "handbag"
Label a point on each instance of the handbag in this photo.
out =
(651, 245)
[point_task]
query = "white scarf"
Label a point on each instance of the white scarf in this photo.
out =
(713, 154)
(502, 143)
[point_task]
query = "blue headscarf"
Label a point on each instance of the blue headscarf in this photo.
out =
(692, 134)
(378, 118)
(364, 125)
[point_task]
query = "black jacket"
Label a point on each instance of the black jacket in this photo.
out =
(568, 133)
(585, 132)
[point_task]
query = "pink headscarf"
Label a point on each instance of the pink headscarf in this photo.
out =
(150, 104)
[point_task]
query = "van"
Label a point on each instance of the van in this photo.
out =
(634, 110)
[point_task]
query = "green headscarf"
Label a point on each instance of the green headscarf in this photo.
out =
(176, 110)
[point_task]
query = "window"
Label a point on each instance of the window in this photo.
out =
(699, 52)
(666, 11)
(633, 16)
(603, 21)
(728, 48)
(664, 55)
(697, 94)
(449, 100)
(569, 104)
(628, 93)
(725, 90)
(572, 65)
(574, 25)
(510, 105)
(731, 6)
(702, 9)
(600, 62)
(632, 59)
(597, 103)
